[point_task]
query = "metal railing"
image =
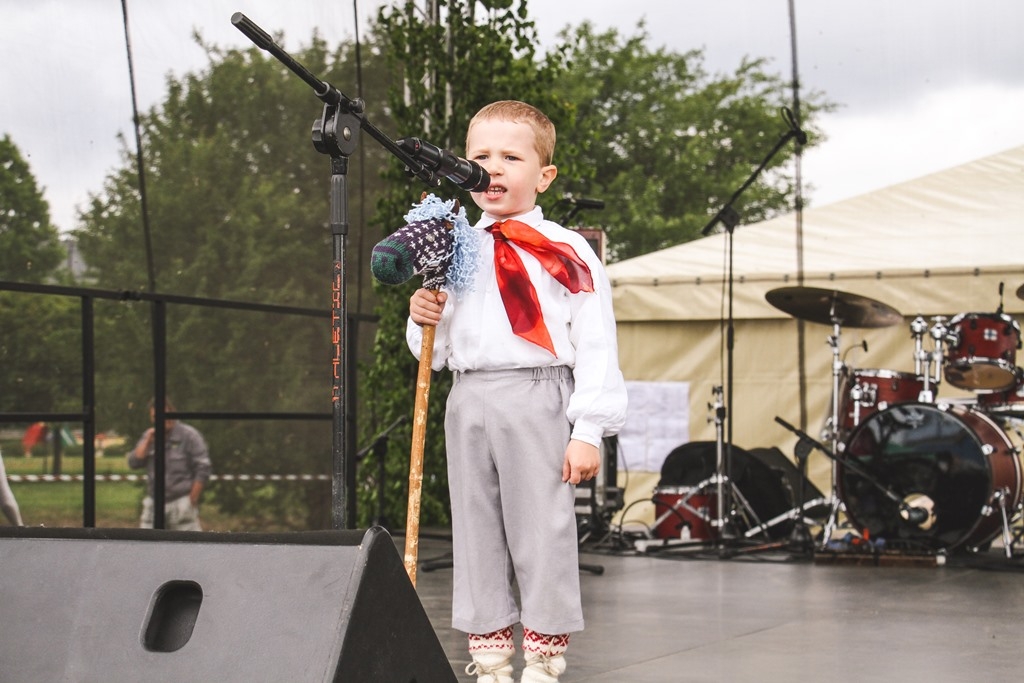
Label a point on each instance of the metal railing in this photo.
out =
(87, 417)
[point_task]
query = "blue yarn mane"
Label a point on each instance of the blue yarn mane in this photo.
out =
(466, 246)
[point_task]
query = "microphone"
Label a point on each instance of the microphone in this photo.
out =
(914, 515)
(584, 203)
(468, 175)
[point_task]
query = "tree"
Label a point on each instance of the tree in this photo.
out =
(38, 346)
(30, 247)
(446, 63)
(237, 209)
(665, 144)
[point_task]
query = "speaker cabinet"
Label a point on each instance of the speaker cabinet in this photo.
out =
(107, 605)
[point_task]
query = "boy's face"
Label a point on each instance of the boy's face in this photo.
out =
(506, 151)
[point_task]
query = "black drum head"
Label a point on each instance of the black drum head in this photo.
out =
(930, 457)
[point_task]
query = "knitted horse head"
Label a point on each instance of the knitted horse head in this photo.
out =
(436, 242)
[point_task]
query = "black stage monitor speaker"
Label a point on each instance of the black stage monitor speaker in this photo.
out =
(108, 605)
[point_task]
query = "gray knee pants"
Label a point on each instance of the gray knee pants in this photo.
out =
(512, 516)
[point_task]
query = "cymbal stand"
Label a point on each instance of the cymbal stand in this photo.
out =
(837, 368)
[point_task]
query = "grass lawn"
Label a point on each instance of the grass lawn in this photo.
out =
(118, 503)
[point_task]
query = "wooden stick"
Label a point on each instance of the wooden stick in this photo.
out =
(419, 434)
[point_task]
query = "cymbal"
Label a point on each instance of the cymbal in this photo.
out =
(830, 306)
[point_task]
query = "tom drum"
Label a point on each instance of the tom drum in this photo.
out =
(865, 392)
(982, 353)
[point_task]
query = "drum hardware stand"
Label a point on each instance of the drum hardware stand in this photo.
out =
(999, 498)
(748, 514)
(926, 361)
(722, 467)
(798, 515)
(727, 494)
(858, 393)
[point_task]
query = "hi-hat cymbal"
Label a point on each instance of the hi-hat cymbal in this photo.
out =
(830, 306)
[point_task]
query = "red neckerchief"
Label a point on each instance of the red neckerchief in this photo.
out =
(517, 292)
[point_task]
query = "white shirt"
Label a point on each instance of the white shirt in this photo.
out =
(474, 333)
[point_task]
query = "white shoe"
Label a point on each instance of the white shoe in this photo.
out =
(491, 667)
(543, 669)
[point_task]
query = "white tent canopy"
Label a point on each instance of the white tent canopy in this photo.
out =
(939, 245)
(966, 220)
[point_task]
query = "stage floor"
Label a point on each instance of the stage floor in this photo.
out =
(671, 616)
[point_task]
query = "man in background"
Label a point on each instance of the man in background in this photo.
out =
(187, 468)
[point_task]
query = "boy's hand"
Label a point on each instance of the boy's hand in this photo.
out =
(425, 306)
(582, 462)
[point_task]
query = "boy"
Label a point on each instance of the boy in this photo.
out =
(536, 386)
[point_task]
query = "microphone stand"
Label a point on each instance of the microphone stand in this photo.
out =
(729, 218)
(907, 511)
(336, 134)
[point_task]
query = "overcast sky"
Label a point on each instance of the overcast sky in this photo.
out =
(924, 84)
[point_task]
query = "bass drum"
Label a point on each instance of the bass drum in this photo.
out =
(949, 460)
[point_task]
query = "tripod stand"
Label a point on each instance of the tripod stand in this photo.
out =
(695, 494)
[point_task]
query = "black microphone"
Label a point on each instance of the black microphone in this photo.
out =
(914, 515)
(584, 203)
(468, 175)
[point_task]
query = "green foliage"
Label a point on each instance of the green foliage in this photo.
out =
(40, 353)
(29, 246)
(40, 348)
(666, 144)
(238, 207)
(444, 68)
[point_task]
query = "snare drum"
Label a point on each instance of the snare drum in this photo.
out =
(684, 512)
(868, 391)
(982, 354)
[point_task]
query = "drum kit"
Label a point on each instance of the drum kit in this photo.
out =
(918, 471)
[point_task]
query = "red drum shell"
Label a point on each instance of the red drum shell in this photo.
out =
(879, 389)
(1009, 403)
(680, 506)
